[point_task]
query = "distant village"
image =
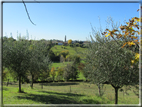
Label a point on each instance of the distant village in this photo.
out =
(65, 42)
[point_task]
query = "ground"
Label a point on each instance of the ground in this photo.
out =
(64, 93)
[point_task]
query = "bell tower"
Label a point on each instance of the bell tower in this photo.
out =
(65, 38)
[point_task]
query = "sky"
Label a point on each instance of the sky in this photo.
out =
(55, 20)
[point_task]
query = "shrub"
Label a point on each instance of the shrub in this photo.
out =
(71, 45)
(54, 56)
(53, 73)
(64, 53)
(68, 58)
(62, 59)
(70, 72)
(76, 59)
(43, 75)
(60, 74)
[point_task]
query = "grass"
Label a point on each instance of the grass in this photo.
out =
(72, 50)
(55, 65)
(64, 93)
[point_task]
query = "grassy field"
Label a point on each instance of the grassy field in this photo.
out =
(58, 64)
(64, 93)
(72, 50)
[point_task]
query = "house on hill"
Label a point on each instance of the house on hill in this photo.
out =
(60, 43)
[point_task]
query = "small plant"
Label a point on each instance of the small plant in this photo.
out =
(100, 89)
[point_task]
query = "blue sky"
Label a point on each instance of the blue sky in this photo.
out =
(55, 20)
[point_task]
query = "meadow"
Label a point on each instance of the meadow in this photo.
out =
(64, 93)
(72, 50)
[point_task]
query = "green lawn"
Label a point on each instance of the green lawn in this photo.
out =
(58, 64)
(72, 50)
(64, 93)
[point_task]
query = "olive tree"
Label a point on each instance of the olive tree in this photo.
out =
(16, 57)
(39, 61)
(106, 61)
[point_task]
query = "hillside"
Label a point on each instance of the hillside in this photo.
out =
(72, 50)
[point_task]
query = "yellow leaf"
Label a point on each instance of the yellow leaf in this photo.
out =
(137, 55)
(107, 35)
(131, 43)
(132, 61)
(124, 45)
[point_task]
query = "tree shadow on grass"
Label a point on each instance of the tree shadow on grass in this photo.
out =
(67, 94)
(59, 84)
(58, 98)
(4, 88)
(49, 99)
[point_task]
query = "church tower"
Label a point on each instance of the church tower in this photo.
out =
(65, 38)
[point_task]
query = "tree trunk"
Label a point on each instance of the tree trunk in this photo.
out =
(53, 78)
(20, 84)
(7, 82)
(116, 95)
(99, 89)
(32, 81)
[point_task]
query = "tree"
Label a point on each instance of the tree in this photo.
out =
(129, 35)
(70, 72)
(68, 58)
(70, 41)
(39, 62)
(60, 73)
(53, 73)
(64, 53)
(107, 62)
(16, 57)
(62, 59)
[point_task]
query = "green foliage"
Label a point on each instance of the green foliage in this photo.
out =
(54, 56)
(68, 58)
(76, 59)
(24, 58)
(53, 73)
(64, 53)
(106, 61)
(60, 73)
(39, 61)
(16, 57)
(71, 45)
(70, 72)
(44, 75)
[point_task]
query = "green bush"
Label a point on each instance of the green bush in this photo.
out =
(60, 74)
(64, 53)
(70, 72)
(76, 59)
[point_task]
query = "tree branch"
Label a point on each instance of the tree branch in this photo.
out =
(27, 12)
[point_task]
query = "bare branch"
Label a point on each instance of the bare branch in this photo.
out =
(27, 12)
